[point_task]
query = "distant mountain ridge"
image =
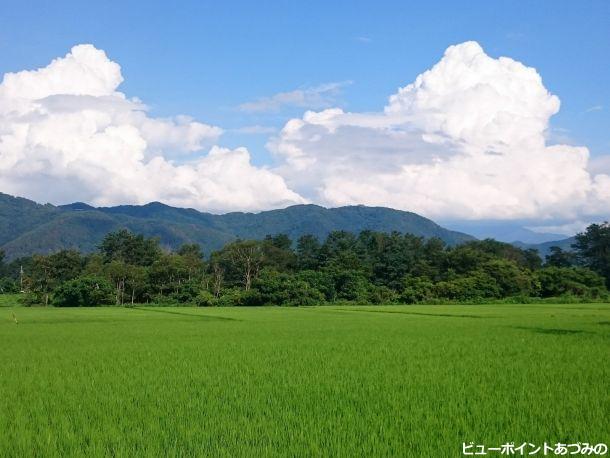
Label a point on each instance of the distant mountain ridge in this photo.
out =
(503, 231)
(27, 227)
(545, 248)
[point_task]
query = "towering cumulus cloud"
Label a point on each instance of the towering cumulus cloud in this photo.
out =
(465, 140)
(66, 133)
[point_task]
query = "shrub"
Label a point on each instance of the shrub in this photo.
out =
(205, 299)
(186, 293)
(321, 281)
(474, 287)
(351, 285)
(236, 297)
(305, 296)
(417, 289)
(83, 292)
(8, 286)
(276, 288)
(382, 295)
(30, 299)
(510, 279)
(571, 281)
(165, 301)
(460, 289)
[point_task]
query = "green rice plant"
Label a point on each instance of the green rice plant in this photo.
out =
(316, 381)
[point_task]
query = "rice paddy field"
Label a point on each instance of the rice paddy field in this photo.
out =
(320, 381)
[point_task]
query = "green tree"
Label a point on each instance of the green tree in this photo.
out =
(135, 283)
(593, 249)
(83, 292)
(240, 261)
(129, 248)
(279, 288)
(40, 281)
(192, 255)
(8, 286)
(169, 274)
(390, 257)
(117, 272)
(308, 252)
(475, 286)
(351, 285)
(205, 299)
(338, 242)
(559, 258)
(577, 281)
(278, 254)
(44, 273)
(481, 250)
(217, 275)
(511, 279)
(321, 280)
(417, 289)
(66, 265)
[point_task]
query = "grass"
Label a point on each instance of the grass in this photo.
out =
(322, 381)
(9, 300)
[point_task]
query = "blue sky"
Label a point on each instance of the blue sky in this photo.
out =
(209, 60)
(206, 58)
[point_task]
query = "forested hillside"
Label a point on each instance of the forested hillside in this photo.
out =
(27, 227)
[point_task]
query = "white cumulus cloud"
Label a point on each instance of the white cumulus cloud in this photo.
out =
(469, 138)
(465, 140)
(67, 133)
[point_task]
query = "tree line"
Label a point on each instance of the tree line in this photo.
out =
(369, 267)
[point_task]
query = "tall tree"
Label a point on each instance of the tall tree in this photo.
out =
(593, 249)
(130, 248)
(278, 254)
(559, 258)
(40, 280)
(308, 252)
(66, 265)
(193, 259)
(240, 261)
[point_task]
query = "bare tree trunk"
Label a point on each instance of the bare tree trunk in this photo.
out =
(248, 279)
(118, 292)
(218, 275)
(250, 260)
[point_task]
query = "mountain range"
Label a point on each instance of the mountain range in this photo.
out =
(503, 231)
(27, 227)
(545, 247)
